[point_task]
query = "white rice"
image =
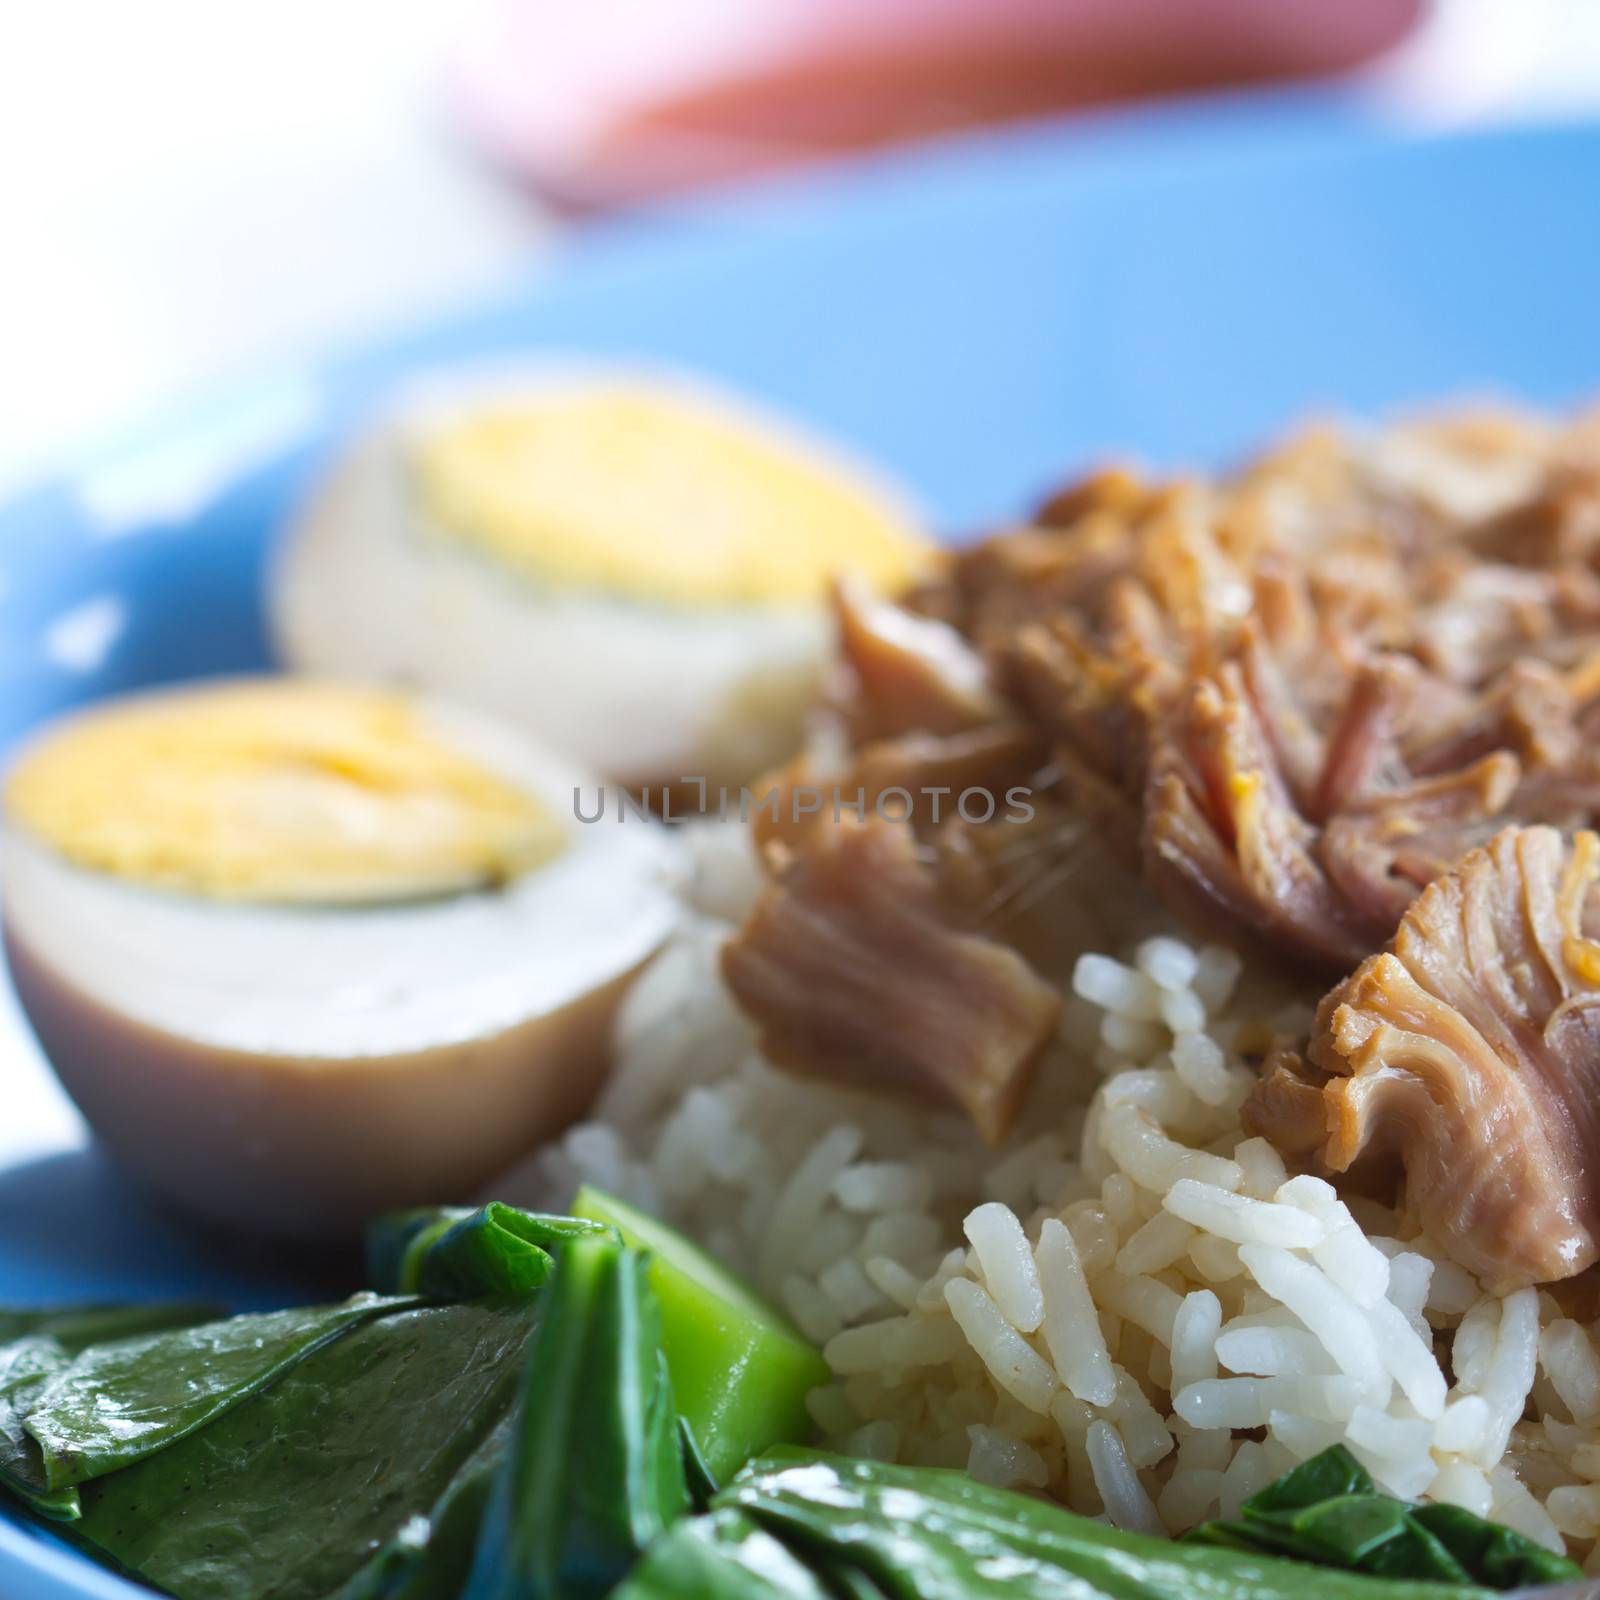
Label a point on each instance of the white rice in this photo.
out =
(1131, 1305)
(1269, 1352)
(1073, 1336)
(1125, 1500)
(1241, 1219)
(1005, 1261)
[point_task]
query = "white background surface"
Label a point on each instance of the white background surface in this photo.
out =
(195, 187)
(192, 187)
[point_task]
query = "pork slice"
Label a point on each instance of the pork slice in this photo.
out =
(1359, 589)
(855, 967)
(1529, 710)
(1463, 1063)
(1045, 883)
(1225, 843)
(1558, 524)
(1567, 796)
(1474, 618)
(1025, 573)
(923, 778)
(1382, 852)
(1115, 488)
(1361, 749)
(1091, 703)
(1297, 747)
(907, 672)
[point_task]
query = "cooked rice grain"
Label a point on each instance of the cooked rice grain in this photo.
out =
(1137, 1281)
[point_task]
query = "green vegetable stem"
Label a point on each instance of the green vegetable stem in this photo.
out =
(740, 1369)
(595, 1471)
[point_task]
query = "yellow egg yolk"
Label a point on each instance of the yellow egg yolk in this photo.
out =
(277, 791)
(656, 495)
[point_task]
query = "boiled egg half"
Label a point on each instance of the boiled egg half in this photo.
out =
(634, 567)
(302, 951)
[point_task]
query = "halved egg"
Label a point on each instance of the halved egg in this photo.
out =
(633, 567)
(302, 951)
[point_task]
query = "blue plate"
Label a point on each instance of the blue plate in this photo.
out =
(982, 318)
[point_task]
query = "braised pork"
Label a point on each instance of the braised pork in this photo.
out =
(906, 673)
(1290, 701)
(856, 966)
(1459, 1068)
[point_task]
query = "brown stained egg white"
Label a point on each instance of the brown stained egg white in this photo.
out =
(303, 951)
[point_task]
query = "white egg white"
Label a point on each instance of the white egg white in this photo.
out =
(644, 693)
(296, 1068)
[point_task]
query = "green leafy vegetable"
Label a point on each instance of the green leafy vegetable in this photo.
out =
(78, 1326)
(291, 1492)
(397, 1241)
(42, 1343)
(740, 1369)
(18, 1322)
(1324, 1477)
(498, 1250)
(701, 1484)
(26, 1366)
(118, 1402)
(860, 1529)
(430, 1558)
(595, 1471)
(724, 1556)
(1329, 1511)
(457, 1254)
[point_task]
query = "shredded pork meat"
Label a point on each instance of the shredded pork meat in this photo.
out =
(856, 966)
(904, 673)
(1458, 1070)
(1291, 701)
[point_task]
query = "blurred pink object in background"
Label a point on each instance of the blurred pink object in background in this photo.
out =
(603, 102)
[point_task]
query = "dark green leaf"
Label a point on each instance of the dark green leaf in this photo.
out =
(1494, 1555)
(396, 1243)
(925, 1534)
(289, 1495)
(430, 1557)
(697, 1475)
(850, 1583)
(77, 1326)
(1327, 1511)
(453, 1254)
(17, 1322)
(27, 1364)
(1362, 1533)
(498, 1250)
(595, 1471)
(1334, 1472)
(116, 1403)
(725, 1556)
